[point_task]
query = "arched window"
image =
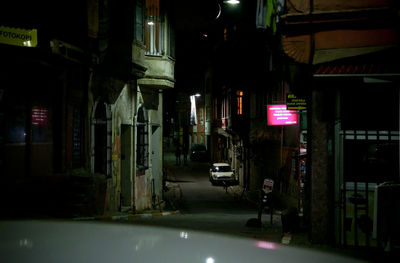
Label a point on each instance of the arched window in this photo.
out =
(142, 145)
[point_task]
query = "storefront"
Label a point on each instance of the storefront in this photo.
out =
(362, 115)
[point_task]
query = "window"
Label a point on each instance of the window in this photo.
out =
(142, 140)
(239, 99)
(261, 103)
(139, 21)
(201, 116)
(215, 110)
(226, 107)
(225, 34)
(171, 40)
(153, 29)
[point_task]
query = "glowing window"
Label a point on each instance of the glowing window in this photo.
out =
(153, 30)
(239, 99)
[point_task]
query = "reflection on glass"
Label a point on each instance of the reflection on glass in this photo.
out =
(210, 260)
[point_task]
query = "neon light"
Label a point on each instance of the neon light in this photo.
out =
(279, 115)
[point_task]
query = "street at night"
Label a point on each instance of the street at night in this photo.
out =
(271, 127)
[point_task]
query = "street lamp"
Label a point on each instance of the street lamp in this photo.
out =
(231, 2)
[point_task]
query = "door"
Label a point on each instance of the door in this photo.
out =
(156, 161)
(126, 185)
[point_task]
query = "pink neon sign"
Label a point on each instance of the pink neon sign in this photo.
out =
(279, 115)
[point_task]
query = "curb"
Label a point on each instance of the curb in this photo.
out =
(127, 217)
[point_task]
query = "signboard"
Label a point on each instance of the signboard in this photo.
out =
(18, 36)
(295, 103)
(39, 116)
(279, 115)
(268, 185)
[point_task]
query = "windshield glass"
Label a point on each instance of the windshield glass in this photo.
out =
(222, 169)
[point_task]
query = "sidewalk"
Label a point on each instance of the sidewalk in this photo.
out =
(172, 195)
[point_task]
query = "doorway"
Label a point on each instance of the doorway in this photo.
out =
(126, 182)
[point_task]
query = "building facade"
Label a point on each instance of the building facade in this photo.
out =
(345, 54)
(88, 110)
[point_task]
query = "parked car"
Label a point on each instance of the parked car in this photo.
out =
(222, 174)
(198, 152)
(48, 241)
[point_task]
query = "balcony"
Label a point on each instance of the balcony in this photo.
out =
(160, 67)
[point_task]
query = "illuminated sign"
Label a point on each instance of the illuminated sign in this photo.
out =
(295, 103)
(279, 115)
(39, 116)
(18, 36)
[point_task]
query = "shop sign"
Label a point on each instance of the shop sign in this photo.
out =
(279, 115)
(18, 36)
(268, 185)
(295, 103)
(39, 117)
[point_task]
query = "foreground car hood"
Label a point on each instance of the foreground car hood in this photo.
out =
(58, 241)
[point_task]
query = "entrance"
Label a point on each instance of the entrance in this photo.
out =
(369, 158)
(126, 182)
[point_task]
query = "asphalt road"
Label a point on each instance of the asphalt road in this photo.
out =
(210, 209)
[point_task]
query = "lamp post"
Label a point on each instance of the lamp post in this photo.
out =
(231, 2)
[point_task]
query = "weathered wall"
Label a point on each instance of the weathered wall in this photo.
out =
(121, 114)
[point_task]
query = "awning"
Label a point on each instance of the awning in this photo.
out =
(360, 69)
(326, 46)
(380, 64)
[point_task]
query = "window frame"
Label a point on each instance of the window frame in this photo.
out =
(139, 22)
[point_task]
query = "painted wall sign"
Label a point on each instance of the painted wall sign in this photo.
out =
(295, 103)
(279, 115)
(18, 36)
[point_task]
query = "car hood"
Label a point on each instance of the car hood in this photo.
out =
(58, 241)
